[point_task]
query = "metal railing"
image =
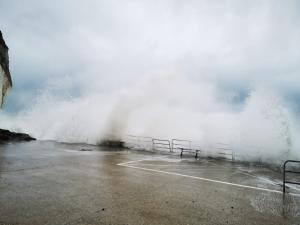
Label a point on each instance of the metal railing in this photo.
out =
(196, 151)
(138, 142)
(289, 171)
(161, 144)
(185, 146)
(225, 150)
(176, 145)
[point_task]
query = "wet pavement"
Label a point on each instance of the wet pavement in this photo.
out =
(52, 183)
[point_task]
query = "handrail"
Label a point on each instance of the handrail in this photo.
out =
(161, 144)
(226, 150)
(175, 145)
(289, 171)
(185, 146)
(196, 151)
(180, 143)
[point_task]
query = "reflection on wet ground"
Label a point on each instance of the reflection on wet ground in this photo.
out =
(55, 183)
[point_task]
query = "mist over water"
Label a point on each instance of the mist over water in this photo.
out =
(168, 105)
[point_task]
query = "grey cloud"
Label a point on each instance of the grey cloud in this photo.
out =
(112, 43)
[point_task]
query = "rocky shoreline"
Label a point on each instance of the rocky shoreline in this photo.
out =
(8, 136)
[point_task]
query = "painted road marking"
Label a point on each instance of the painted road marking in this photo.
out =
(125, 164)
(149, 158)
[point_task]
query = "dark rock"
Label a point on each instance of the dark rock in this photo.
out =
(8, 136)
(112, 143)
(86, 150)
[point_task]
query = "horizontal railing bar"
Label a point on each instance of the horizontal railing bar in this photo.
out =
(175, 139)
(190, 150)
(182, 147)
(179, 144)
(290, 171)
(291, 182)
(292, 161)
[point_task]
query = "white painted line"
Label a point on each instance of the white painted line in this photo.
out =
(206, 179)
(150, 158)
(172, 165)
(251, 175)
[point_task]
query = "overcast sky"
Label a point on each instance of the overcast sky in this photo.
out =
(80, 47)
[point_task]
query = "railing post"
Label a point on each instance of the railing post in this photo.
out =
(284, 176)
(153, 148)
(285, 170)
